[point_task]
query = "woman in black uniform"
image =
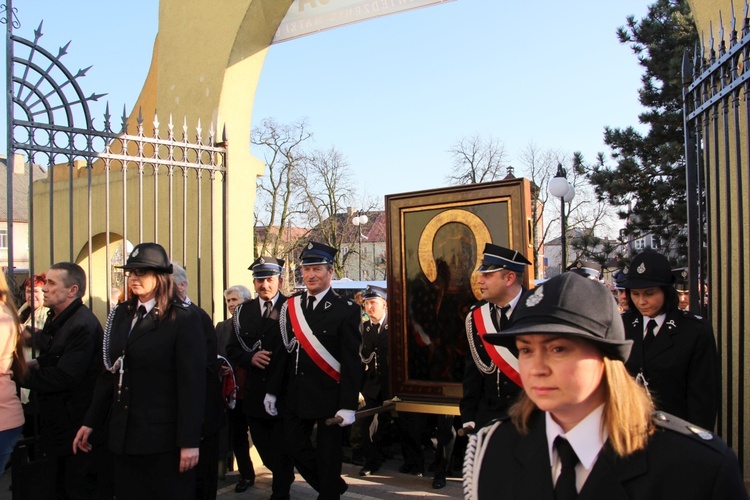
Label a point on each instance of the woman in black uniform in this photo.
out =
(153, 388)
(583, 428)
(674, 352)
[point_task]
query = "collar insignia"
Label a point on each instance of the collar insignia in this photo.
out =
(702, 433)
(671, 324)
(636, 321)
(327, 305)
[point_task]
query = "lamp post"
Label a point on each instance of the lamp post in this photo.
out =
(359, 221)
(559, 187)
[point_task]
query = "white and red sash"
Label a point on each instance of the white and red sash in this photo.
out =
(505, 361)
(310, 343)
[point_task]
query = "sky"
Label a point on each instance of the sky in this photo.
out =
(393, 94)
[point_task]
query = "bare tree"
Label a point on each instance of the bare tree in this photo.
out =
(476, 160)
(584, 215)
(539, 166)
(329, 192)
(279, 192)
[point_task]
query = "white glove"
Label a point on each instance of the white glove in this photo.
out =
(270, 403)
(347, 415)
(469, 425)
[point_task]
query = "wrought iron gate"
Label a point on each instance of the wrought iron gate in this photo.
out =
(717, 146)
(106, 190)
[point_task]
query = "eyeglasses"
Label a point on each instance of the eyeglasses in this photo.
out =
(137, 272)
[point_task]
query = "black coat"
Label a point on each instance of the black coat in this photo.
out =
(305, 389)
(375, 378)
(69, 363)
(253, 328)
(681, 366)
(161, 404)
(486, 396)
(213, 415)
(676, 463)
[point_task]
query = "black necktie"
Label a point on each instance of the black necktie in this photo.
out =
(310, 302)
(648, 339)
(376, 327)
(504, 321)
(139, 315)
(267, 312)
(565, 487)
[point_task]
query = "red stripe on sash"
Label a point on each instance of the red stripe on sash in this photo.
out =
(492, 349)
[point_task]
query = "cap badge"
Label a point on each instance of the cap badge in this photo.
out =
(261, 261)
(535, 298)
(625, 270)
(684, 273)
(134, 253)
(642, 268)
(310, 246)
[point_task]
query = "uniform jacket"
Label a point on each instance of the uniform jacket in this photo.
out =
(675, 464)
(213, 415)
(681, 365)
(486, 396)
(375, 378)
(253, 328)
(161, 403)
(69, 363)
(305, 389)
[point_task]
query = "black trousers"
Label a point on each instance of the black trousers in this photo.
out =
(238, 426)
(319, 465)
(411, 427)
(207, 470)
(84, 475)
(155, 476)
(268, 438)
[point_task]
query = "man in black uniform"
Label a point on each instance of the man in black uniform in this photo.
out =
(374, 354)
(322, 370)
(62, 378)
(254, 343)
(491, 381)
(207, 472)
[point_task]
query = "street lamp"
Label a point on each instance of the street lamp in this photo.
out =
(359, 221)
(559, 187)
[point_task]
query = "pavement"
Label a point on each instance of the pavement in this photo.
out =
(386, 483)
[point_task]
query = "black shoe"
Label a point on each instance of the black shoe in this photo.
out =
(243, 484)
(368, 470)
(438, 482)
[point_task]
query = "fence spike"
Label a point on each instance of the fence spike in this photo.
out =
(38, 32)
(124, 121)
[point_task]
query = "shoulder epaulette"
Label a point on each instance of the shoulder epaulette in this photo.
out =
(181, 304)
(689, 315)
(675, 424)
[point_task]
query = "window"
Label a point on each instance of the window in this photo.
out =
(4, 238)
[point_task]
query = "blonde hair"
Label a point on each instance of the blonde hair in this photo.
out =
(627, 410)
(19, 360)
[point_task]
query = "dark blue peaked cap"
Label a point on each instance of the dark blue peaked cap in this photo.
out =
(265, 267)
(149, 256)
(497, 258)
(318, 253)
(373, 292)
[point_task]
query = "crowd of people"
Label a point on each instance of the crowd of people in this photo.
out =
(611, 396)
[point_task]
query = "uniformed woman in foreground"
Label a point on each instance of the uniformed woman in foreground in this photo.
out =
(153, 387)
(583, 428)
